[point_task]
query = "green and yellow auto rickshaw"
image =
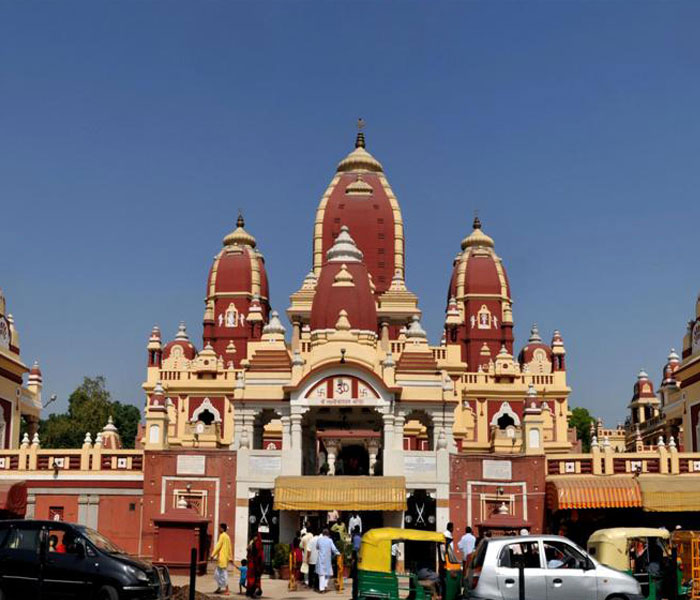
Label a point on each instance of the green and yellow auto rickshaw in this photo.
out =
(645, 553)
(438, 574)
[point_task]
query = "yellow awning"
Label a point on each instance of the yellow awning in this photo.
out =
(592, 491)
(670, 493)
(340, 493)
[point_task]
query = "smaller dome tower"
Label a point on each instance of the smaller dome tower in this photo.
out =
(237, 300)
(479, 309)
(644, 404)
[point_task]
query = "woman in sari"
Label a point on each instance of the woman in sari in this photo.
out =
(256, 563)
(298, 559)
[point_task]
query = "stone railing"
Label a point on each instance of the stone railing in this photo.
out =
(89, 458)
(662, 459)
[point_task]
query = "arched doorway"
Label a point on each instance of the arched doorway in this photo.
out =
(353, 459)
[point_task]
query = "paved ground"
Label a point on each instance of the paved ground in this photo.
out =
(272, 588)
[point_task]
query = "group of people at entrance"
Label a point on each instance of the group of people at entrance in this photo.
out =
(318, 550)
(251, 568)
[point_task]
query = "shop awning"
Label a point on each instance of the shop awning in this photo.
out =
(13, 498)
(670, 493)
(591, 491)
(340, 493)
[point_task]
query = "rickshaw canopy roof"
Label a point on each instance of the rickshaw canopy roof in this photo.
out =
(375, 551)
(625, 533)
(609, 546)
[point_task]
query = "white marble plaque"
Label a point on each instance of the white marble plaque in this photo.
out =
(188, 464)
(419, 464)
(497, 469)
(265, 464)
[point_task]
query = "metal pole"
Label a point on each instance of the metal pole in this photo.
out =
(521, 581)
(193, 572)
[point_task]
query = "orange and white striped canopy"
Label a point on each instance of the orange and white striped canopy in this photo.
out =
(592, 491)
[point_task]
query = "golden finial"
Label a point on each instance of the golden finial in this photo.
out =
(477, 222)
(240, 222)
(360, 140)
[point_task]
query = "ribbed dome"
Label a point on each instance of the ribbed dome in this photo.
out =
(359, 197)
(480, 290)
(181, 340)
(344, 285)
(237, 280)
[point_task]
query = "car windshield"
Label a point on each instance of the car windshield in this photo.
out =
(101, 542)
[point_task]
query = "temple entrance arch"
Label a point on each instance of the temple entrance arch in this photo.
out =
(341, 441)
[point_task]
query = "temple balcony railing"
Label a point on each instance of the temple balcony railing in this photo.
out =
(661, 459)
(88, 459)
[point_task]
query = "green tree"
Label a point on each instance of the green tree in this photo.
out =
(581, 420)
(89, 407)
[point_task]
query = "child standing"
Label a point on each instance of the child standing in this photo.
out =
(244, 574)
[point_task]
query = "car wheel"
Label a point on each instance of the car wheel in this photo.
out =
(107, 593)
(616, 597)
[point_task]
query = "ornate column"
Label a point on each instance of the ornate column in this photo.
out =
(286, 433)
(332, 449)
(373, 449)
(399, 422)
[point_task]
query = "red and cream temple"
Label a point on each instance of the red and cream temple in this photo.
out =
(353, 408)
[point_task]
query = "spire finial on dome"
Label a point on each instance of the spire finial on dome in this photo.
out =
(182, 332)
(239, 236)
(535, 335)
(360, 139)
(477, 237)
(476, 224)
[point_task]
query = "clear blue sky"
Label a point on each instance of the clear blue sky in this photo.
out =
(131, 133)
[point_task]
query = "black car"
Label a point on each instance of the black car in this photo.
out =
(55, 560)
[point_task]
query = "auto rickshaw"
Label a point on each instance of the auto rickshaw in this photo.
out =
(644, 553)
(687, 544)
(376, 579)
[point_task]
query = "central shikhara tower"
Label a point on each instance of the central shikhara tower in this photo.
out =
(355, 388)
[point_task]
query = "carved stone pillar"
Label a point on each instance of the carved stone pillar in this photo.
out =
(332, 447)
(373, 449)
(399, 422)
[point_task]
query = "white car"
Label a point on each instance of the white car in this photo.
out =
(554, 568)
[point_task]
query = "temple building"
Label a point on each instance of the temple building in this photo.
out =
(345, 406)
(673, 409)
(353, 408)
(20, 403)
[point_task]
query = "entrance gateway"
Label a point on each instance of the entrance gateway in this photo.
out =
(343, 452)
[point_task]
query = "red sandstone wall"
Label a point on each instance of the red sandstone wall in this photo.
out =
(527, 505)
(69, 503)
(161, 479)
(119, 518)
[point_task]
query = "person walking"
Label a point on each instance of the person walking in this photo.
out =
(356, 543)
(466, 544)
(304, 545)
(223, 555)
(324, 564)
(312, 558)
(256, 564)
(355, 521)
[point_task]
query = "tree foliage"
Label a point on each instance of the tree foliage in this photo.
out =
(89, 407)
(581, 420)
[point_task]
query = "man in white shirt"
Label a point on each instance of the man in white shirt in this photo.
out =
(355, 521)
(466, 544)
(312, 553)
(304, 545)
